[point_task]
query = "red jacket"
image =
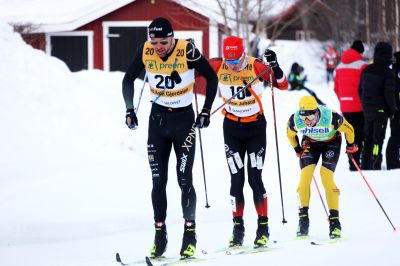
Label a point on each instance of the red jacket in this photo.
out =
(330, 57)
(347, 79)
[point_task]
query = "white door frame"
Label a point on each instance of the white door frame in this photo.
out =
(88, 34)
(106, 31)
(197, 35)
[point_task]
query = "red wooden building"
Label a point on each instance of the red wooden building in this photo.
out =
(107, 36)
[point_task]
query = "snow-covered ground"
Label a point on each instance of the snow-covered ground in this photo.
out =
(75, 183)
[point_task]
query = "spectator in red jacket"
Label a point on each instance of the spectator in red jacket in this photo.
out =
(330, 57)
(347, 80)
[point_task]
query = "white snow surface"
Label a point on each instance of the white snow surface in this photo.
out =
(75, 182)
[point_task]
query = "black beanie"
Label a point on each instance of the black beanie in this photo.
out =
(383, 53)
(160, 27)
(358, 46)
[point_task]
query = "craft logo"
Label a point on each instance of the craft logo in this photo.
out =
(231, 47)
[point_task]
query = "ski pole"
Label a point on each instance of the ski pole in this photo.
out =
(242, 89)
(141, 93)
(201, 150)
(320, 196)
(370, 189)
(277, 148)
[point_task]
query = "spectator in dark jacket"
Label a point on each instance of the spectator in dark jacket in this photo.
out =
(347, 80)
(378, 103)
(393, 147)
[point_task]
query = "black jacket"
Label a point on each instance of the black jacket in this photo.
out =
(396, 71)
(376, 87)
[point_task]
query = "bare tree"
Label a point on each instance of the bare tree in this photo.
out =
(278, 28)
(383, 18)
(368, 29)
(397, 25)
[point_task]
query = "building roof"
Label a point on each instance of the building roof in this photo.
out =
(56, 16)
(68, 15)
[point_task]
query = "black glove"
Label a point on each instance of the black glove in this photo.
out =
(298, 151)
(175, 77)
(131, 119)
(270, 58)
(203, 119)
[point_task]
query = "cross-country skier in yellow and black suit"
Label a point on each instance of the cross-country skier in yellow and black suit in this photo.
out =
(321, 128)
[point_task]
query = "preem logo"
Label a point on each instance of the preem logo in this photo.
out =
(226, 77)
(313, 130)
(151, 64)
(171, 66)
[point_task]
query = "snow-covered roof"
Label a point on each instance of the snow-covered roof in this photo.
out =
(68, 15)
(54, 16)
(63, 15)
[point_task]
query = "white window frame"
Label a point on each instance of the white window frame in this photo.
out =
(197, 35)
(88, 34)
(106, 30)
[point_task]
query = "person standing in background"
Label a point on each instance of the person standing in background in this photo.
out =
(393, 146)
(330, 57)
(170, 65)
(245, 129)
(347, 80)
(378, 102)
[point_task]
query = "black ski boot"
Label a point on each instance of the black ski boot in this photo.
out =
(335, 228)
(238, 232)
(160, 240)
(262, 234)
(304, 222)
(189, 240)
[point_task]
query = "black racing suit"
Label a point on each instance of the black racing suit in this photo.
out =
(250, 138)
(172, 127)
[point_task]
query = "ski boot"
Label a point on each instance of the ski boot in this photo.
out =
(238, 232)
(304, 222)
(189, 240)
(160, 240)
(335, 228)
(262, 234)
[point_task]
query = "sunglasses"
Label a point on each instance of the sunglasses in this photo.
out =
(235, 61)
(162, 42)
(309, 117)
